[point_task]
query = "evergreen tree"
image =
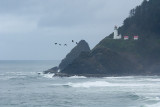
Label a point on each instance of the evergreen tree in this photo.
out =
(143, 20)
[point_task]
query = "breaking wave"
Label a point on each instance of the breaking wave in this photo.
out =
(16, 75)
(78, 77)
(89, 84)
(152, 105)
(124, 77)
(48, 75)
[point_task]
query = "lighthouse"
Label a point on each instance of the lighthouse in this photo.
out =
(116, 36)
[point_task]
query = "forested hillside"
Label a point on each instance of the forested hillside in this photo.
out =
(126, 57)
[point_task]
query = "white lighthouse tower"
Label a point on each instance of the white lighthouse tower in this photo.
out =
(116, 36)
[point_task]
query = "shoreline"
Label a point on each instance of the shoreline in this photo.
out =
(98, 75)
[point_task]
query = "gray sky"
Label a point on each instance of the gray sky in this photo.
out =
(29, 28)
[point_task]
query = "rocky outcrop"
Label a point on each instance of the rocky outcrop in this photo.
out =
(116, 58)
(100, 62)
(82, 46)
(52, 70)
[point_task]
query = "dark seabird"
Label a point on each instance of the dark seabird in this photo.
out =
(39, 73)
(72, 40)
(65, 44)
(55, 43)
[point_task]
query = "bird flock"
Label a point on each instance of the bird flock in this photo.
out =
(64, 44)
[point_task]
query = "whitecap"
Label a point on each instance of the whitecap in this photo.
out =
(77, 76)
(152, 98)
(89, 84)
(15, 75)
(153, 105)
(48, 75)
(154, 80)
(58, 70)
(107, 84)
(84, 84)
(123, 77)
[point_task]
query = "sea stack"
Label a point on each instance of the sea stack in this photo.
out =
(82, 46)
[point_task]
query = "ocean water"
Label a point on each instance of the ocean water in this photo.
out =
(21, 86)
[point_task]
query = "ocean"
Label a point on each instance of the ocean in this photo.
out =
(21, 86)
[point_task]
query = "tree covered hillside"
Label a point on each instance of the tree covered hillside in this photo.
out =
(126, 57)
(143, 21)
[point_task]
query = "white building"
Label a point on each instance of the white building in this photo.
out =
(135, 37)
(116, 35)
(126, 37)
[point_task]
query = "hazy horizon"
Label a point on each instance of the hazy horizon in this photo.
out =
(29, 29)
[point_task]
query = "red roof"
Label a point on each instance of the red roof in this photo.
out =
(135, 36)
(125, 36)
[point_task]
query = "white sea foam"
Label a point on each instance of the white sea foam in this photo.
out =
(14, 75)
(6, 77)
(78, 77)
(108, 84)
(89, 84)
(85, 84)
(124, 77)
(48, 75)
(154, 80)
(59, 70)
(153, 105)
(153, 98)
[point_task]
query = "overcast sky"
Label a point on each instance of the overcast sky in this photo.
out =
(29, 28)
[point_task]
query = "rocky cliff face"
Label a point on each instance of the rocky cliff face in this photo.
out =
(100, 62)
(117, 58)
(82, 46)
